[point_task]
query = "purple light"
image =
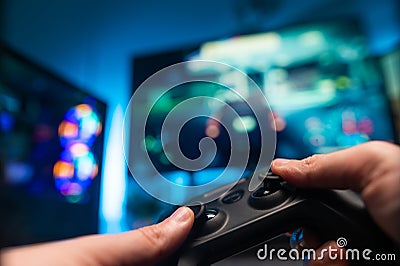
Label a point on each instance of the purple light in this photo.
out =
(77, 166)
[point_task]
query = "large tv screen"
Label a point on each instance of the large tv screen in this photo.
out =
(326, 91)
(51, 141)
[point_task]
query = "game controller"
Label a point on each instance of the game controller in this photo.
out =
(241, 219)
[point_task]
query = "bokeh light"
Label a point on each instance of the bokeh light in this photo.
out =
(77, 167)
(80, 124)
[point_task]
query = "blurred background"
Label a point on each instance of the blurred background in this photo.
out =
(330, 70)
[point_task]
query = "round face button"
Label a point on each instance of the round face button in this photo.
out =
(215, 220)
(211, 213)
(233, 197)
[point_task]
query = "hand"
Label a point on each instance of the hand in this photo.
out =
(372, 169)
(145, 246)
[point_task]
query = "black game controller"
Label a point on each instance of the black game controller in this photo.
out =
(241, 219)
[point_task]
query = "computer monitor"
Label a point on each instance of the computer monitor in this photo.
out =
(51, 141)
(326, 92)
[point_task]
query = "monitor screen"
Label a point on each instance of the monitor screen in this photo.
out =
(50, 161)
(325, 90)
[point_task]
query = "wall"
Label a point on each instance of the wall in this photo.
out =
(91, 44)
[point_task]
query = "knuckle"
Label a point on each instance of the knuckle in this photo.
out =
(311, 161)
(154, 236)
(310, 165)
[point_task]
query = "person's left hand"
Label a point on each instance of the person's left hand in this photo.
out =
(144, 246)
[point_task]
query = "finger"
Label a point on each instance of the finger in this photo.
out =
(311, 240)
(346, 169)
(328, 254)
(150, 244)
(304, 238)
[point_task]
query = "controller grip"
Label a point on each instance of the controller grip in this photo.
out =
(334, 217)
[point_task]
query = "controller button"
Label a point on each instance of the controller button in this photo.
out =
(233, 197)
(215, 220)
(272, 183)
(211, 213)
(270, 194)
(263, 199)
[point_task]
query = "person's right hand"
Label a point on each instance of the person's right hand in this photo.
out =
(372, 169)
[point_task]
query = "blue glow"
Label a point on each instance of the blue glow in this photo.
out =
(81, 125)
(208, 175)
(85, 166)
(6, 121)
(18, 173)
(77, 166)
(113, 182)
(178, 177)
(74, 168)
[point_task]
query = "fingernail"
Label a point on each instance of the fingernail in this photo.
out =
(280, 162)
(181, 215)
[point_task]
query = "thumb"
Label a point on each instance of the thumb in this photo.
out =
(328, 255)
(145, 246)
(350, 168)
(148, 245)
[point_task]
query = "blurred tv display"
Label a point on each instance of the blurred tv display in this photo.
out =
(51, 157)
(326, 91)
(391, 69)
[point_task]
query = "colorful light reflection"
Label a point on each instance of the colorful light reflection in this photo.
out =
(76, 168)
(80, 124)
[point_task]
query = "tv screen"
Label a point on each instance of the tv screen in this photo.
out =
(51, 157)
(326, 92)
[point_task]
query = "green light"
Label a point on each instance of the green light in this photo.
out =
(343, 82)
(152, 144)
(244, 124)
